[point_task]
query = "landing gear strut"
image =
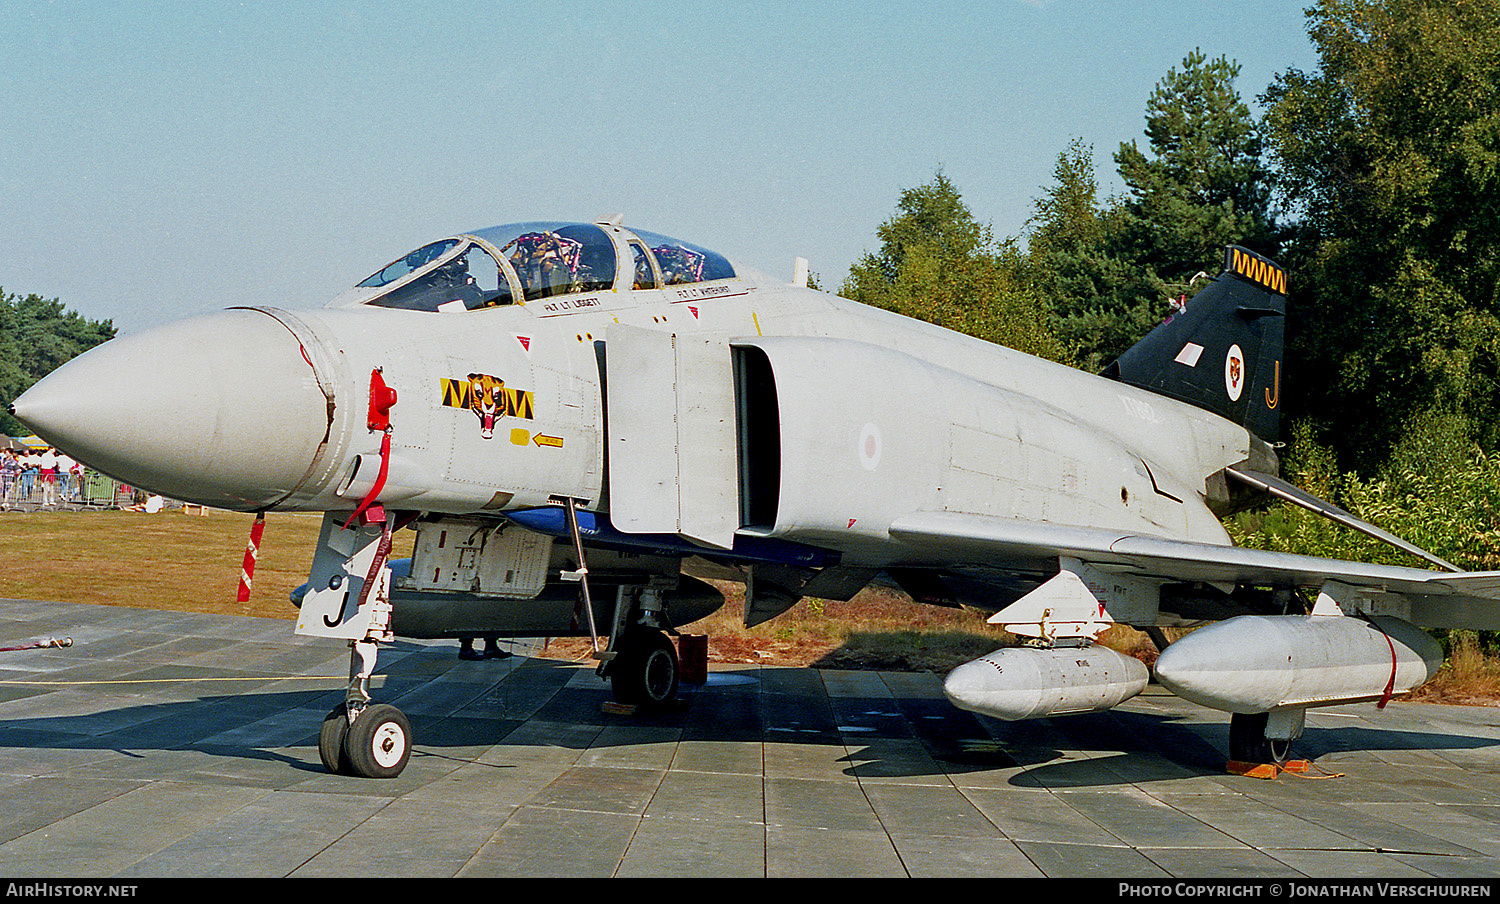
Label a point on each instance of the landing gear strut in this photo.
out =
(641, 661)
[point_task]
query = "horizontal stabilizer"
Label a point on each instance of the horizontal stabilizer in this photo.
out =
(1297, 496)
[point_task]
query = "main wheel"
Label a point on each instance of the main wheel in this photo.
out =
(379, 742)
(647, 670)
(331, 741)
(1248, 742)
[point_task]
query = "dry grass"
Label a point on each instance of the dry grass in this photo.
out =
(1469, 677)
(172, 561)
(191, 563)
(877, 629)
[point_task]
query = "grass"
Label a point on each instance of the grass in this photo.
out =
(191, 563)
(172, 561)
(1469, 676)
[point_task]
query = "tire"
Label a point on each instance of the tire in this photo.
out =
(647, 671)
(331, 741)
(379, 742)
(1248, 742)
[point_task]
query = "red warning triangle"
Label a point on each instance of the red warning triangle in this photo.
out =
(694, 310)
(525, 342)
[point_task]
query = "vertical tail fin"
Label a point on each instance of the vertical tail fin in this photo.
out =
(1223, 352)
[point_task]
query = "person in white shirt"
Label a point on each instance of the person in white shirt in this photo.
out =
(65, 465)
(47, 463)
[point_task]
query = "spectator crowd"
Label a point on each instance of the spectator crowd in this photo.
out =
(43, 477)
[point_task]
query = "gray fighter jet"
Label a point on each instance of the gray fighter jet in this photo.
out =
(580, 421)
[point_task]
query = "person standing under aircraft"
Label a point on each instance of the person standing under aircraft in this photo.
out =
(491, 648)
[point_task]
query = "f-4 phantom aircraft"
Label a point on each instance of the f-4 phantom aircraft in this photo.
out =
(582, 421)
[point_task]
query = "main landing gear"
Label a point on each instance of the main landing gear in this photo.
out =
(645, 670)
(1264, 737)
(641, 660)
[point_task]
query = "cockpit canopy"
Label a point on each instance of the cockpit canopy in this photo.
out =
(523, 262)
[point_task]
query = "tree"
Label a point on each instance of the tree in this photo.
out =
(1098, 303)
(937, 263)
(37, 336)
(1108, 269)
(1205, 184)
(1390, 154)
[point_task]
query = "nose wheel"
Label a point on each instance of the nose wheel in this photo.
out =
(377, 744)
(360, 738)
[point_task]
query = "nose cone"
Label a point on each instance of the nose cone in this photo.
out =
(223, 410)
(971, 685)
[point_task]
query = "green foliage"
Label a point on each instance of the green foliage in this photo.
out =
(937, 263)
(1436, 492)
(1390, 153)
(1206, 185)
(37, 336)
(1100, 303)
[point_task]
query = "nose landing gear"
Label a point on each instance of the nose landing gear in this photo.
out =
(378, 742)
(369, 740)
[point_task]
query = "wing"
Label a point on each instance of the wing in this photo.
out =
(1436, 599)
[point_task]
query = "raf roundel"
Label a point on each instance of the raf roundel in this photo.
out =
(869, 447)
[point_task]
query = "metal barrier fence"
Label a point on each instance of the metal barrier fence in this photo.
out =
(29, 492)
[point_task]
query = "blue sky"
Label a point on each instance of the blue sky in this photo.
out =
(160, 160)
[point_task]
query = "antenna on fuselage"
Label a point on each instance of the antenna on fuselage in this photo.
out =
(799, 272)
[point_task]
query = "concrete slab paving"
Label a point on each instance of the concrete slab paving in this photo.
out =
(695, 847)
(171, 745)
(839, 806)
(799, 852)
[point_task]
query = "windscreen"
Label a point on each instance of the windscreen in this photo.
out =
(413, 261)
(462, 280)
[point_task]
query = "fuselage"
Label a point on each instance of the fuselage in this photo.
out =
(503, 407)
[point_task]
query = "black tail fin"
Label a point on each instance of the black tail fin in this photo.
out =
(1223, 352)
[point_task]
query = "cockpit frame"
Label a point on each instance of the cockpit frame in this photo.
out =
(630, 250)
